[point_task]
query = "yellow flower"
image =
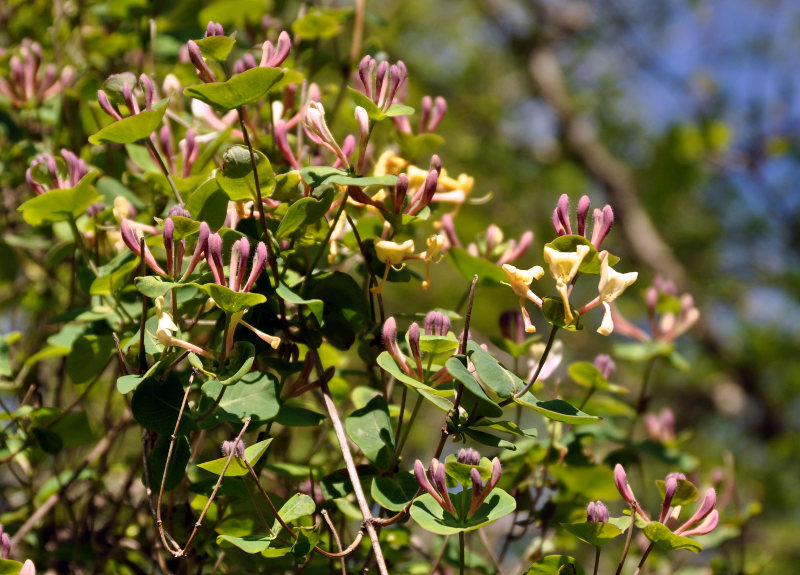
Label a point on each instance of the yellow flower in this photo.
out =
(519, 280)
(434, 252)
(563, 267)
(392, 254)
(611, 286)
(166, 330)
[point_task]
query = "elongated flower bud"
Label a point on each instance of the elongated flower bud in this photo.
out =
(258, 265)
(583, 211)
(389, 338)
(214, 258)
(169, 233)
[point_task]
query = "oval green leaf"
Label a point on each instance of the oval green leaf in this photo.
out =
(231, 301)
(665, 539)
(427, 513)
(246, 88)
(237, 468)
(61, 204)
(131, 129)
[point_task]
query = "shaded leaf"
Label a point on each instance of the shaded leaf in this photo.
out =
(246, 88)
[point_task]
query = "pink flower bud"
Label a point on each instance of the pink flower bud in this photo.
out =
(602, 225)
(621, 481)
(583, 211)
(214, 258)
(169, 232)
(437, 114)
(401, 189)
(413, 340)
(200, 248)
(436, 323)
(389, 338)
(424, 114)
(106, 106)
(258, 266)
(605, 365)
(512, 326)
(562, 212)
(149, 91)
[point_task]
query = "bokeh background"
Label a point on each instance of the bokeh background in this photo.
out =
(684, 115)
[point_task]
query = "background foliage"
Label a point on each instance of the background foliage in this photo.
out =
(684, 113)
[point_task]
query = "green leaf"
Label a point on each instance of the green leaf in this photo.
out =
(455, 365)
(297, 506)
(315, 176)
(246, 88)
(394, 493)
(371, 430)
(131, 129)
(665, 539)
(61, 204)
(315, 305)
(507, 427)
(216, 47)
(553, 312)
(597, 534)
(238, 363)
(461, 471)
(9, 567)
(48, 440)
(287, 187)
(184, 227)
(436, 396)
(236, 177)
(155, 405)
(488, 439)
(304, 212)
(88, 357)
(418, 145)
(250, 544)
(427, 513)
(685, 494)
(154, 286)
(399, 110)
(254, 395)
(208, 203)
(292, 415)
(177, 466)
(644, 351)
(115, 275)
(556, 410)
(586, 374)
(437, 344)
(492, 374)
(231, 301)
(468, 265)
(556, 565)
(316, 25)
(237, 468)
(307, 538)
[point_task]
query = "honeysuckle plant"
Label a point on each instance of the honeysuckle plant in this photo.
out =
(255, 194)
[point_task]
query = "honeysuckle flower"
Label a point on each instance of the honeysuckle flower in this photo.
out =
(196, 56)
(391, 254)
(603, 219)
(132, 235)
(520, 281)
(316, 128)
(166, 330)
(76, 170)
(611, 286)
(25, 84)
(389, 339)
(380, 81)
(704, 520)
(480, 491)
(431, 114)
(214, 29)
(468, 456)
(233, 447)
(604, 364)
(436, 323)
(596, 512)
(433, 253)
(624, 488)
(564, 267)
(273, 56)
(660, 426)
(28, 568)
(439, 493)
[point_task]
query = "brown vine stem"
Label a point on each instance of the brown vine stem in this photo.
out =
(352, 472)
(336, 538)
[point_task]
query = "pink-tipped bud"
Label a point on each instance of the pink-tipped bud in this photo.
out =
(602, 225)
(281, 136)
(130, 101)
(621, 481)
(76, 167)
(562, 212)
(272, 57)
(413, 340)
(422, 479)
(557, 224)
(363, 124)
(605, 365)
(401, 190)
(497, 470)
(106, 106)
(389, 338)
(35, 186)
(241, 254)
(380, 84)
(596, 512)
(259, 260)
(214, 258)
(190, 151)
(28, 568)
(424, 114)
(149, 91)
(706, 526)
(196, 56)
(365, 68)
(5, 544)
(180, 211)
(583, 211)
(437, 114)
(440, 482)
(436, 323)
(129, 237)
(435, 164)
(200, 249)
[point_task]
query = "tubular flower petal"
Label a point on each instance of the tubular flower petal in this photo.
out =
(166, 330)
(564, 267)
(519, 280)
(611, 286)
(392, 254)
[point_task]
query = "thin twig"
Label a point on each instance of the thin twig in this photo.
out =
(336, 538)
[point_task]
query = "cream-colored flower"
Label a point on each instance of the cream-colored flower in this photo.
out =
(563, 267)
(166, 330)
(392, 254)
(611, 286)
(519, 281)
(434, 252)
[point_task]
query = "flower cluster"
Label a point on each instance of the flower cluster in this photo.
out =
(26, 85)
(46, 164)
